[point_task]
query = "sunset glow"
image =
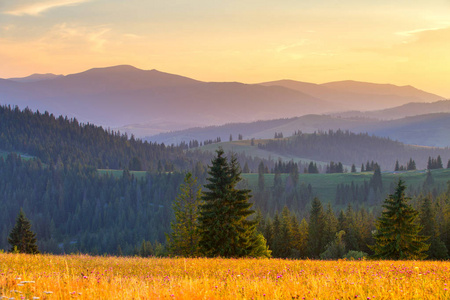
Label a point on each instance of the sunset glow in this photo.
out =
(401, 42)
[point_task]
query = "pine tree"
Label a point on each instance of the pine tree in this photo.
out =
(285, 234)
(330, 226)
(225, 229)
(376, 181)
(350, 237)
(397, 235)
(439, 162)
(21, 238)
(411, 165)
(185, 234)
(303, 239)
(427, 217)
(316, 229)
(261, 177)
(397, 166)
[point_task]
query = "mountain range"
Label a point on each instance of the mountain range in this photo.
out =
(359, 95)
(147, 102)
(425, 130)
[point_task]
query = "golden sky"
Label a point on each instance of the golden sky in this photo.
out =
(400, 42)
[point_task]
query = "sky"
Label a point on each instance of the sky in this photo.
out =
(400, 42)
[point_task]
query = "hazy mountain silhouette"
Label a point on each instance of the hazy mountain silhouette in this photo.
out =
(36, 77)
(425, 130)
(406, 110)
(359, 95)
(122, 95)
(149, 101)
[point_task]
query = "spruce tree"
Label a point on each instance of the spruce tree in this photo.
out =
(427, 217)
(397, 235)
(185, 235)
(330, 226)
(285, 234)
(21, 238)
(316, 229)
(224, 226)
(397, 166)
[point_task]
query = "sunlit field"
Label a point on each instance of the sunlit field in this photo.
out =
(86, 277)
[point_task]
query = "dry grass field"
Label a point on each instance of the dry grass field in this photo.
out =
(87, 277)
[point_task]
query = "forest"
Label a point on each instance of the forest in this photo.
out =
(75, 208)
(351, 148)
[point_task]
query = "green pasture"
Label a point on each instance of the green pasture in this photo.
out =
(119, 173)
(24, 156)
(324, 185)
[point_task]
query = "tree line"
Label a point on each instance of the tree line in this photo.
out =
(351, 148)
(222, 212)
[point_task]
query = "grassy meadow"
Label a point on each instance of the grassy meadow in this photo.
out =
(324, 185)
(86, 277)
(24, 156)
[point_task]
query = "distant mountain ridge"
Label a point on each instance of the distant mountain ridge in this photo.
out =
(148, 102)
(36, 77)
(121, 95)
(425, 130)
(360, 95)
(406, 110)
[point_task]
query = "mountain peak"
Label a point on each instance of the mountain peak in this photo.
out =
(36, 77)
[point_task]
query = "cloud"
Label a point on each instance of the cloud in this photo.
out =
(34, 8)
(293, 47)
(70, 36)
(418, 31)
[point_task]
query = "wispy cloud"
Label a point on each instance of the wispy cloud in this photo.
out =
(69, 36)
(36, 8)
(419, 31)
(294, 46)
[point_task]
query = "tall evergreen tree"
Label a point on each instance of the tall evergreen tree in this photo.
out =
(439, 162)
(261, 177)
(397, 166)
(21, 238)
(285, 234)
(427, 217)
(316, 229)
(185, 234)
(411, 165)
(397, 235)
(225, 229)
(330, 226)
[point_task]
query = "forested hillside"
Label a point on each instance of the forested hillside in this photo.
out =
(74, 206)
(75, 209)
(351, 148)
(59, 140)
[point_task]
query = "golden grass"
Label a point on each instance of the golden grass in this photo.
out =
(87, 277)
